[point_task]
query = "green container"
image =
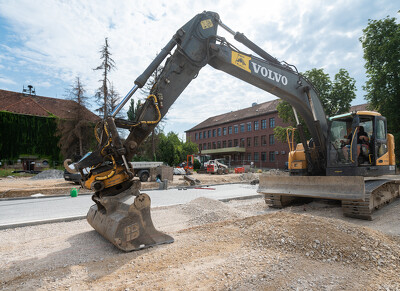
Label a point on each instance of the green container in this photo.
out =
(74, 192)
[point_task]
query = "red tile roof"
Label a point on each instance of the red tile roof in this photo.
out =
(360, 107)
(39, 106)
(259, 109)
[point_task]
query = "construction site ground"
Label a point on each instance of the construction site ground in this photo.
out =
(237, 245)
(15, 186)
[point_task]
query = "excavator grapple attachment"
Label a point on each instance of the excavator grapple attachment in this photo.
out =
(125, 220)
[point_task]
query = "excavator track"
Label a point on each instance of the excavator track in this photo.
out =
(278, 201)
(378, 193)
(360, 196)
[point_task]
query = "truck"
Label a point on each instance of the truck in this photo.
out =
(121, 213)
(142, 169)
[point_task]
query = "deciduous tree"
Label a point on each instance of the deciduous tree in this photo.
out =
(335, 97)
(381, 45)
(76, 133)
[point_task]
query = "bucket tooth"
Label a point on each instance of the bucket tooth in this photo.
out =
(125, 220)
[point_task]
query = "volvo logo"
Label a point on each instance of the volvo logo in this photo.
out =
(267, 73)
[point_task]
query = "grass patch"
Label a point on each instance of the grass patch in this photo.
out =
(9, 172)
(6, 172)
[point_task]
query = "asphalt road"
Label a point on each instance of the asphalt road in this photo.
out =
(30, 211)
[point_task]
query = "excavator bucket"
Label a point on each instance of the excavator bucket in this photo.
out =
(124, 219)
(326, 187)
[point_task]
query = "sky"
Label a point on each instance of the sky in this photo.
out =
(48, 44)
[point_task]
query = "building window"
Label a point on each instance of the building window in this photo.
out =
(263, 124)
(229, 143)
(263, 140)
(204, 146)
(219, 131)
(200, 147)
(272, 122)
(272, 156)
(205, 134)
(271, 139)
(236, 128)
(200, 135)
(249, 142)
(256, 141)
(214, 132)
(242, 142)
(230, 130)
(209, 134)
(255, 157)
(248, 126)
(249, 157)
(196, 136)
(224, 144)
(214, 145)
(263, 156)
(235, 143)
(224, 131)
(242, 127)
(219, 144)
(209, 146)
(256, 125)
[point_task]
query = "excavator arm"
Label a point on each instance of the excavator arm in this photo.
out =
(196, 45)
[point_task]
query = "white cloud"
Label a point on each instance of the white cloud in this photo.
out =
(57, 41)
(7, 81)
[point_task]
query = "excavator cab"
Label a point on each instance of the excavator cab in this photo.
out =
(359, 145)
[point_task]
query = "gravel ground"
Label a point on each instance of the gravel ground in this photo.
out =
(239, 245)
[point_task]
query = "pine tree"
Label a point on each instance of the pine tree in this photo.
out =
(102, 93)
(113, 99)
(133, 110)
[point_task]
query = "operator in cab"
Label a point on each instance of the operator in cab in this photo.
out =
(362, 138)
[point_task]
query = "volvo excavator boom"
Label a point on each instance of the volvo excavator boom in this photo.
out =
(122, 213)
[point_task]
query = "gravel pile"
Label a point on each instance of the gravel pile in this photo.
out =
(322, 239)
(49, 174)
(204, 210)
(276, 172)
(248, 177)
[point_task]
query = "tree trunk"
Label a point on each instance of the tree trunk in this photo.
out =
(153, 145)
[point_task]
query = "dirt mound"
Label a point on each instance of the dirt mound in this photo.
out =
(49, 174)
(323, 239)
(204, 210)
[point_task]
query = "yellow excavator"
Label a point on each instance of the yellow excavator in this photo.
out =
(319, 167)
